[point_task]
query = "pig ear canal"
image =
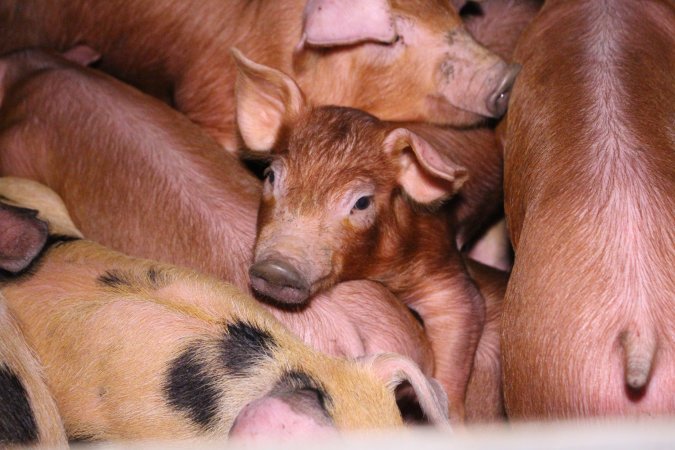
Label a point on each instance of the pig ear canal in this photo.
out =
(329, 23)
(267, 99)
(406, 381)
(427, 175)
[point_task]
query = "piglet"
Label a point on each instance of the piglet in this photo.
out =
(137, 349)
(347, 196)
(589, 313)
(401, 60)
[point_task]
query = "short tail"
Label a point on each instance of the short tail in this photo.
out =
(639, 349)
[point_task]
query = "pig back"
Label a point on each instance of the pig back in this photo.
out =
(589, 182)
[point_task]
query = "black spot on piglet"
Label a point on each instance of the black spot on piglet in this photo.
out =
(192, 388)
(17, 423)
(245, 345)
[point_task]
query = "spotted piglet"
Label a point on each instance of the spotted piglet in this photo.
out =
(28, 413)
(139, 349)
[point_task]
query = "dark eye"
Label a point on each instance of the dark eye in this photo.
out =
(363, 202)
(269, 175)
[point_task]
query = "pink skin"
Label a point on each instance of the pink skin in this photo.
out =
(272, 419)
(401, 60)
(340, 322)
(588, 314)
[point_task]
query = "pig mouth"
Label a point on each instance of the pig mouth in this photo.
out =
(279, 281)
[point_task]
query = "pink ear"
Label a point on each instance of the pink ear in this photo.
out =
(266, 99)
(276, 418)
(394, 369)
(426, 174)
(341, 22)
(82, 54)
(22, 237)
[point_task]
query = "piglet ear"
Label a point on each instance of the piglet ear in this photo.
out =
(266, 99)
(330, 23)
(82, 54)
(282, 418)
(394, 370)
(426, 174)
(22, 237)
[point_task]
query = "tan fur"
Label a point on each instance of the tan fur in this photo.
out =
(180, 52)
(589, 183)
(17, 356)
(109, 363)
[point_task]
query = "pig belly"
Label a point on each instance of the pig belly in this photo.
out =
(578, 369)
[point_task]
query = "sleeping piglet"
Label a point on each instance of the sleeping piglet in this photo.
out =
(134, 348)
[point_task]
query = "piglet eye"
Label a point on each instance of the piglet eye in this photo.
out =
(269, 175)
(363, 202)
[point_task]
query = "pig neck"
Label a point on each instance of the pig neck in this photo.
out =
(418, 261)
(155, 186)
(411, 246)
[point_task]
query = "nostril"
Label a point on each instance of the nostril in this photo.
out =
(499, 100)
(279, 281)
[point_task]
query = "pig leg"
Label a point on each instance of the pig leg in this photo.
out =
(484, 396)
(453, 311)
(28, 413)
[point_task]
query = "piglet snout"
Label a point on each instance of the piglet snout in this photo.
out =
(499, 99)
(279, 281)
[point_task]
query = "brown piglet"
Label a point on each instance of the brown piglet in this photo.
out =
(347, 196)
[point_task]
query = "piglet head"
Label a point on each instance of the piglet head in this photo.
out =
(409, 60)
(336, 189)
